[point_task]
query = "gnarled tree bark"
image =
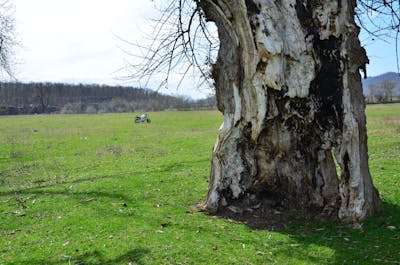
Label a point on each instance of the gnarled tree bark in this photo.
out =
(287, 81)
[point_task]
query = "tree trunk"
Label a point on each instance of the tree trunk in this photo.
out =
(287, 81)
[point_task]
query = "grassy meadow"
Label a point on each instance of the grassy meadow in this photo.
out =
(100, 189)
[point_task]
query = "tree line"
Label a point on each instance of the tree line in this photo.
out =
(47, 97)
(382, 92)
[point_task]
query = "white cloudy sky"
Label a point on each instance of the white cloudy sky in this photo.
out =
(75, 41)
(72, 40)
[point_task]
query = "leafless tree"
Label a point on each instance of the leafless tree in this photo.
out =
(7, 35)
(388, 87)
(287, 81)
(375, 93)
(182, 40)
(382, 91)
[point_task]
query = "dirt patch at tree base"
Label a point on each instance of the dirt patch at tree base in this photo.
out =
(272, 218)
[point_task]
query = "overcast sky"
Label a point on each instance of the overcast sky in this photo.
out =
(75, 41)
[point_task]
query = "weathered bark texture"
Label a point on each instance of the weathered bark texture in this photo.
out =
(287, 81)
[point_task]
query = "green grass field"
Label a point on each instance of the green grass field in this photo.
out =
(100, 189)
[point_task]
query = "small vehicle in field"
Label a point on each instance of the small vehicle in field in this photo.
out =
(142, 118)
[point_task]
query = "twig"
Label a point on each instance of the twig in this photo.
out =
(87, 200)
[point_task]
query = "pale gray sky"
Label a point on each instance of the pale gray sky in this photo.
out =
(75, 41)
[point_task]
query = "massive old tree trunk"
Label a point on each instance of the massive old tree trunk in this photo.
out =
(287, 81)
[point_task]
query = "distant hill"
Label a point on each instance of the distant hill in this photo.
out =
(395, 77)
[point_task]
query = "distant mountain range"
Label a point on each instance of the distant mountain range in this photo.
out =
(395, 77)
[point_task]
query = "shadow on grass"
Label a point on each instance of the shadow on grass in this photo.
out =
(134, 256)
(41, 185)
(375, 241)
(92, 194)
(172, 167)
(43, 189)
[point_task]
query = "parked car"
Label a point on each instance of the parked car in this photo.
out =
(142, 118)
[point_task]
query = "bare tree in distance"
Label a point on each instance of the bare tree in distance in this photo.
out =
(382, 92)
(388, 87)
(7, 35)
(375, 93)
(287, 81)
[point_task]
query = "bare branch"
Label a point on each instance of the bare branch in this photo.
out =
(7, 35)
(181, 39)
(180, 42)
(380, 19)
